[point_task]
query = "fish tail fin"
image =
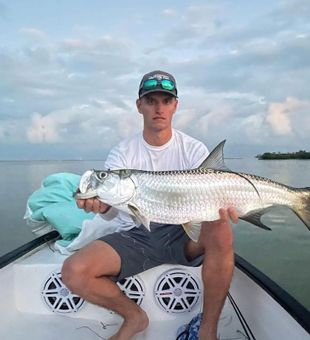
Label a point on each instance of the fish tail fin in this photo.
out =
(301, 207)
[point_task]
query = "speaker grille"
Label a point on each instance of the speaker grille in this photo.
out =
(58, 297)
(177, 291)
(133, 288)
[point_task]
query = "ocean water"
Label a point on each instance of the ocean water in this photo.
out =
(283, 253)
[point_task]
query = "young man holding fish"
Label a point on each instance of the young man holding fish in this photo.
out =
(93, 271)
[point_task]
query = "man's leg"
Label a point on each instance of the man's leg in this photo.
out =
(86, 273)
(216, 241)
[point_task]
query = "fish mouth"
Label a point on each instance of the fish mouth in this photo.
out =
(90, 193)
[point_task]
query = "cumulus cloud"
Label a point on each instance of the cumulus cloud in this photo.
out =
(97, 123)
(280, 115)
(55, 77)
(252, 130)
(215, 118)
(242, 76)
(43, 129)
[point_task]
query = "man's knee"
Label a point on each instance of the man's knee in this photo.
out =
(74, 274)
(98, 259)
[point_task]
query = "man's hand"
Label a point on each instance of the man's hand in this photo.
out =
(228, 214)
(93, 205)
(214, 235)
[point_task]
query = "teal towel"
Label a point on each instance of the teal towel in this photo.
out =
(54, 203)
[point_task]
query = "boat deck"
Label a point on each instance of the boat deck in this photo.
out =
(36, 305)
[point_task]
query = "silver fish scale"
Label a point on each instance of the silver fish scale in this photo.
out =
(197, 195)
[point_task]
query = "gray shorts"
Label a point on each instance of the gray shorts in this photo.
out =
(140, 249)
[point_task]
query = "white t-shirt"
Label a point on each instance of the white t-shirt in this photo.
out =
(181, 152)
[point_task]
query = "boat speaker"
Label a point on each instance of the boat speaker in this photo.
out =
(177, 291)
(58, 297)
(133, 288)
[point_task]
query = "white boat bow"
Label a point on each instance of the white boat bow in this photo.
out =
(36, 305)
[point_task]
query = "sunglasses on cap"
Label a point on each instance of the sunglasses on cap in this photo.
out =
(165, 84)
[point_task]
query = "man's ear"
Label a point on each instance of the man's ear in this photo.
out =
(176, 105)
(138, 104)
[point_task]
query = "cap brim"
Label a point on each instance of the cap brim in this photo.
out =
(157, 90)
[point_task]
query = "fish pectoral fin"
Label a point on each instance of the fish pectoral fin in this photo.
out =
(138, 215)
(215, 160)
(192, 229)
(255, 218)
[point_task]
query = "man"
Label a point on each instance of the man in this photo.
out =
(92, 271)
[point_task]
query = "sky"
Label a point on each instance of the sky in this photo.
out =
(70, 70)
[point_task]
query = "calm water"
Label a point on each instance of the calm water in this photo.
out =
(283, 253)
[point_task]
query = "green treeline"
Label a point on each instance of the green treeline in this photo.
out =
(289, 155)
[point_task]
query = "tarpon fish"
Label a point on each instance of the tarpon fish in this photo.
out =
(189, 197)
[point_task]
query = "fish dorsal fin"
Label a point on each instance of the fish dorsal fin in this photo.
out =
(141, 218)
(215, 160)
(192, 229)
(255, 218)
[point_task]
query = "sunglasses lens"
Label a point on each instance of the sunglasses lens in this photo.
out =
(167, 84)
(150, 84)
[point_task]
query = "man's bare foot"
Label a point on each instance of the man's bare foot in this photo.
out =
(131, 326)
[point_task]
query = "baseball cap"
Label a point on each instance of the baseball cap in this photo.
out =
(158, 81)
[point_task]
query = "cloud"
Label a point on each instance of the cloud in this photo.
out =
(220, 53)
(242, 76)
(33, 34)
(43, 129)
(280, 116)
(67, 93)
(56, 76)
(214, 116)
(100, 58)
(11, 130)
(184, 33)
(98, 123)
(290, 10)
(252, 129)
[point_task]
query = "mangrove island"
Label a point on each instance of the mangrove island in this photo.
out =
(302, 154)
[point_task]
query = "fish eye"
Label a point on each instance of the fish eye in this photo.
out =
(102, 175)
